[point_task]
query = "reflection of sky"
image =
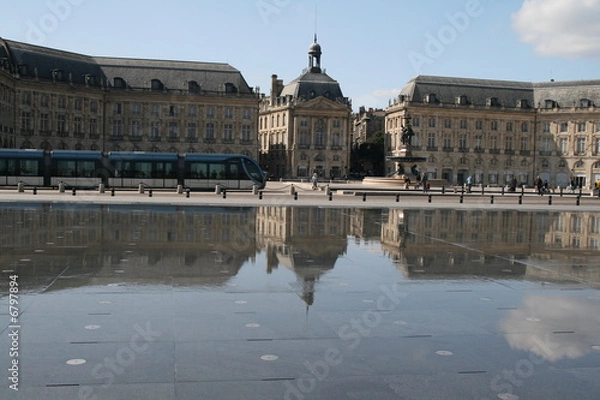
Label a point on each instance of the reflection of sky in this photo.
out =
(553, 327)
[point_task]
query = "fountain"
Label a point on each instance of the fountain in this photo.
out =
(403, 176)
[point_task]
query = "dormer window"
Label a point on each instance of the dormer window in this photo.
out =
(58, 75)
(193, 87)
(24, 69)
(156, 85)
(492, 102)
(230, 88)
(90, 80)
(430, 98)
(462, 100)
(119, 83)
(549, 103)
(522, 103)
(585, 103)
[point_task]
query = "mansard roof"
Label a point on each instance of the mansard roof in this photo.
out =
(31, 61)
(479, 92)
(310, 85)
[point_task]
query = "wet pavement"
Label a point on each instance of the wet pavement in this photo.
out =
(150, 301)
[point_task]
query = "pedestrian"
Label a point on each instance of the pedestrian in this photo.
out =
(315, 181)
(424, 182)
(513, 185)
(469, 183)
(539, 184)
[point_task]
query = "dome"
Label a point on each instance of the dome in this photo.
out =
(314, 48)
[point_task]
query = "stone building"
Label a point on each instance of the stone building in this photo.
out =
(53, 99)
(366, 124)
(304, 126)
(496, 130)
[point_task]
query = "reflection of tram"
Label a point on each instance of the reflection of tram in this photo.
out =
(128, 169)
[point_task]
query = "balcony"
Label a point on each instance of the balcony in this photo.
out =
(228, 141)
(509, 152)
(191, 139)
(155, 139)
(116, 138)
(448, 149)
(525, 152)
(494, 151)
(304, 146)
(210, 140)
(336, 147)
(246, 141)
(479, 150)
(432, 148)
(463, 149)
(545, 153)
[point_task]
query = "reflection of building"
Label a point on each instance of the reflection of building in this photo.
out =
(206, 246)
(53, 99)
(497, 130)
(304, 126)
(306, 240)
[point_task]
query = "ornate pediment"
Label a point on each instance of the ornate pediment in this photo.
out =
(323, 104)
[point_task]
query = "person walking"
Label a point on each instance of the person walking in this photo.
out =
(539, 185)
(469, 183)
(315, 181)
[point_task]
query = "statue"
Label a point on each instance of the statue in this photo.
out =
(407, 134)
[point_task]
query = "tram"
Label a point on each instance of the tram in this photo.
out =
(118, 169)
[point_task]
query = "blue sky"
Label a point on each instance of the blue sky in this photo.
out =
(372, 48)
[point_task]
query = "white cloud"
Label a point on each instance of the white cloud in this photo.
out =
(560, 27)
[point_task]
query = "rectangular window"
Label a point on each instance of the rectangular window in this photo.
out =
(432, 122)
(431, 140)
(44, 122)
(93, 127)
(563, 144)
(26, 96)
(192, 111)
(525, 127)
(246, 129)
(303, 122)
(62, 102)
(210, 112)
(228, 133)
(463, 124)
(416, 122)
(136, 128)
(173, 111)
(26, 120)
(494, 142)
(77, 103)
(564, 127)
(580, 149)
(337, 123)
(596, 146)
(117, 131)
(247, 113)
(546, 128)
(45, 100)
(462, 142)
(173, 130)
(210, 131)
(494, 125)
(93, 106)
(320, 138)
(478, 125)
(136, 109)
(191, 130)
(509, 127)
(447, 141)
(581, 127)
(448, 123)
(508, 143)
(155, 110)
(61, 123)
(118, 108)
(78, 125)
(228, 112)
(546, 144)
(524, 143)
(155, 131)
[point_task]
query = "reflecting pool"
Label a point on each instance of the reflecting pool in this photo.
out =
(127, 302)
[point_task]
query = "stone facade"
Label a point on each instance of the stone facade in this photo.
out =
(497, 130)
(304, 126)
(52, 99)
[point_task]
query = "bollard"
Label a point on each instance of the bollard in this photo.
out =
(578, 201)
(330, 196)
(254, 189)
(73, 191)
(187, 193)
(35, 190)
(492, 199)
(461, 199)
(397, 197)
(443, 189)
(260, 194)
(179, 189)
(112, 191)
(482, 190)
(101, 188)
(549, 200)
(20, 187)
(217, 189)
(295, 195)
(224, 191)
(429, 199)
(141, 188)
(561, 192)
(364, 197)
(150, 193)
(522, 190)
(61, 187)
(521, 199)
(292, 189)
(502, 190)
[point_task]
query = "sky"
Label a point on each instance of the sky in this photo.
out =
(372, 48)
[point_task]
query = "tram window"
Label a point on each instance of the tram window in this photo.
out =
(252, 169)
(143, 170)
(6, 167)
(86, 168)
(163, 170)
(234, 172)
(216, 171)
(63, 168)
(198, 170)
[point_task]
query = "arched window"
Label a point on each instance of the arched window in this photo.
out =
(156, 84)
(193, 87)
(545, 164)
(119, 83)
(319, 157)
(579, 164)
